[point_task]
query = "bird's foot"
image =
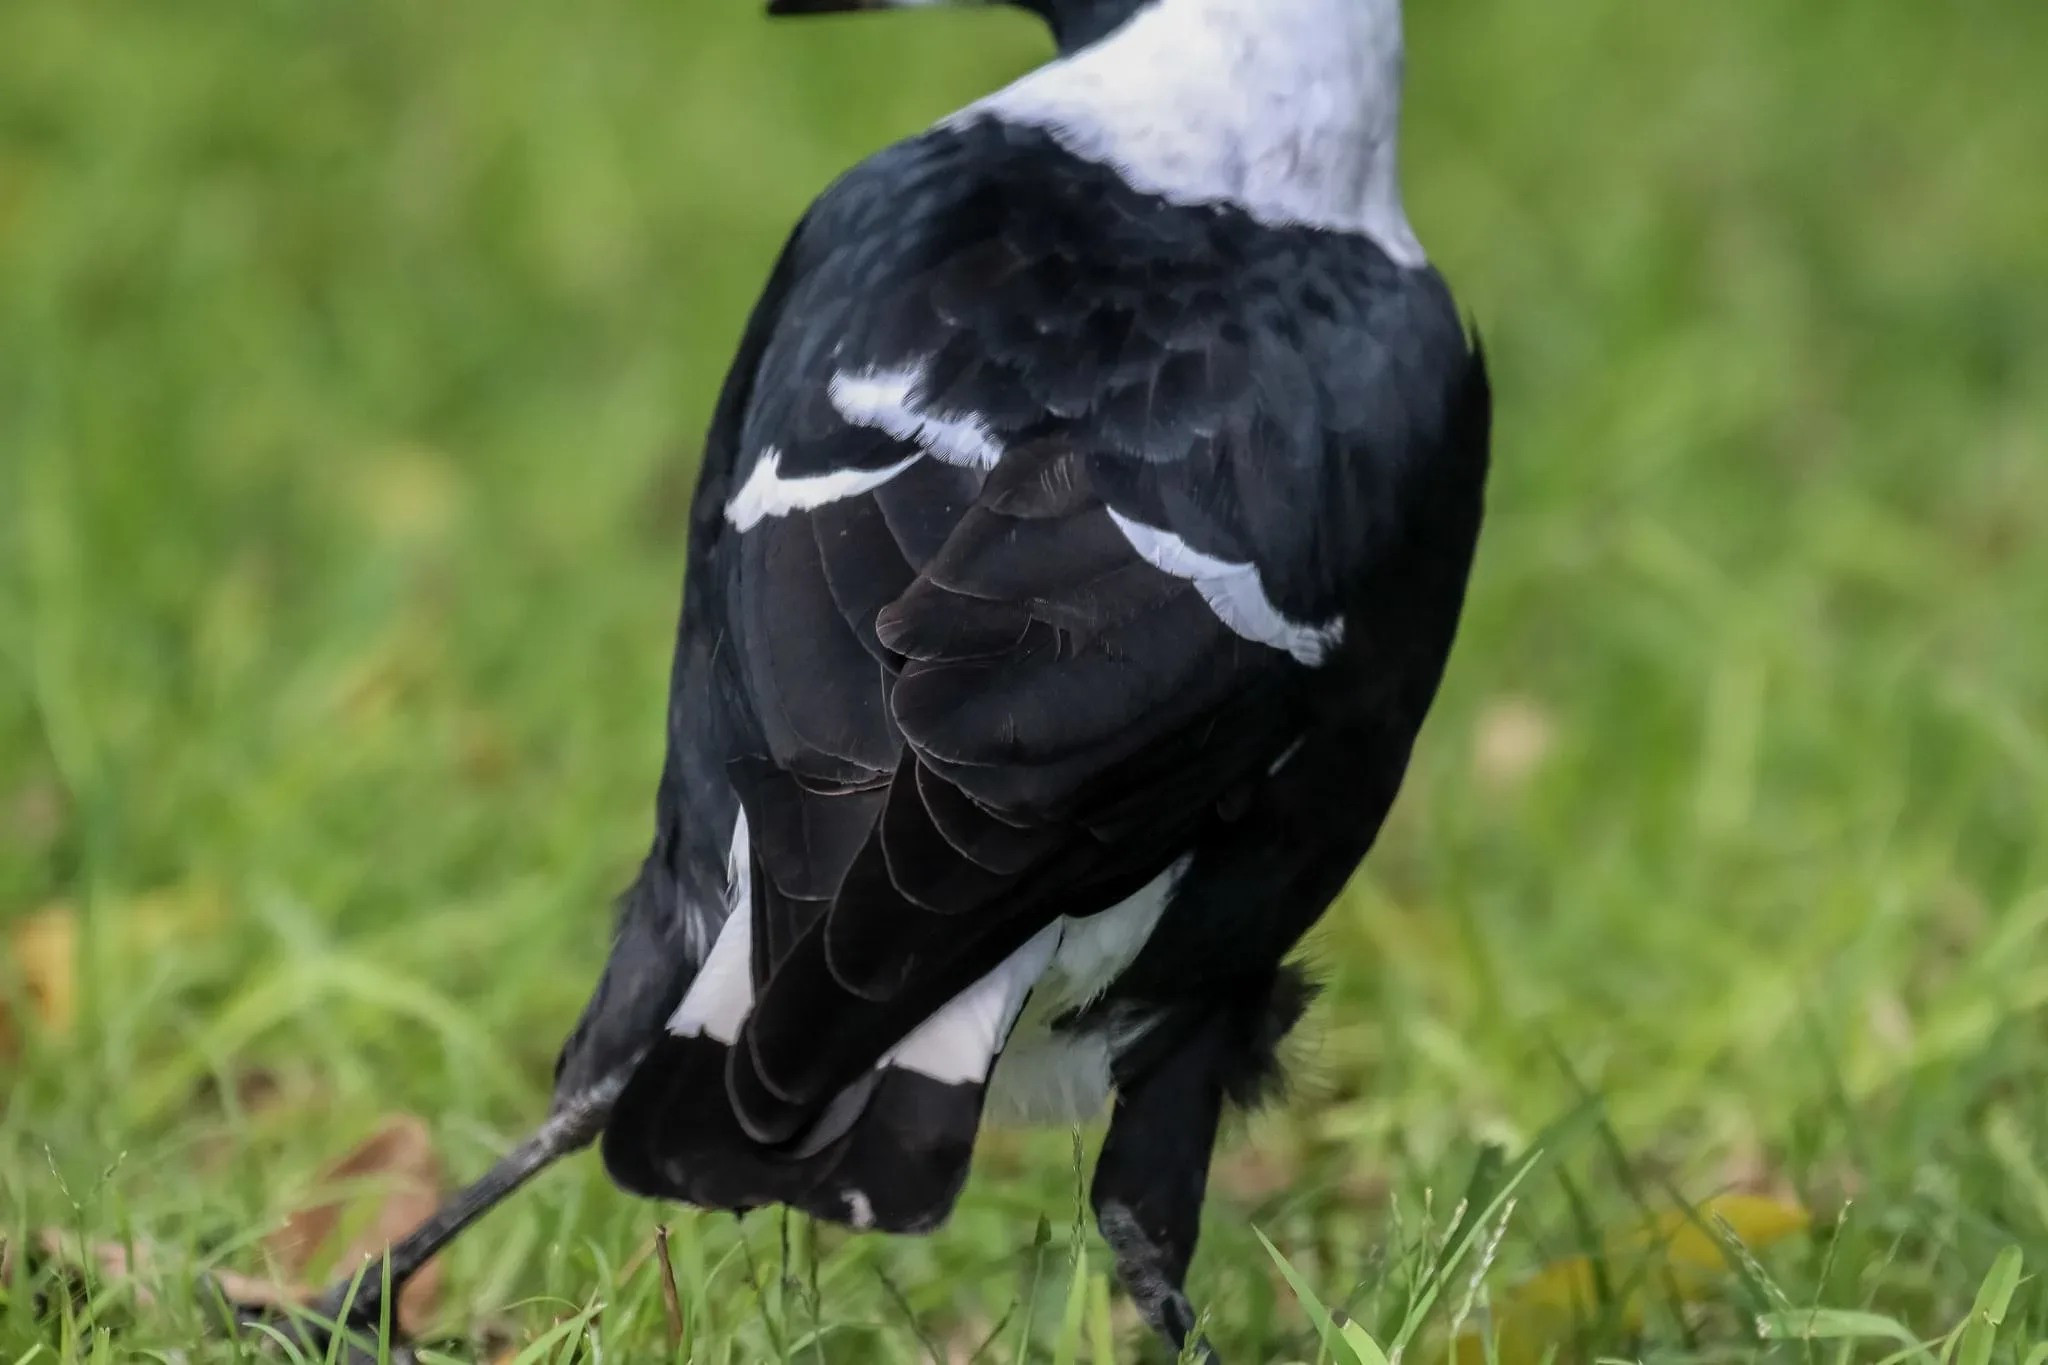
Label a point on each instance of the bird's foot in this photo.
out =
(340, 1326)
(1152, 1278)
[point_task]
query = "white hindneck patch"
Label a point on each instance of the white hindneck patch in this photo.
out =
(1287, 109)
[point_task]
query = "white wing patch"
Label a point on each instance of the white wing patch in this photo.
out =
(1287, 109)
(767, 494)
(889, 401)
(1037, 1076)
(893, 401)
(1041, 1077)
(719, 1000)
(956, 1045)
(1233, 591)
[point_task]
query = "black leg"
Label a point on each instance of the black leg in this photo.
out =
(1152, 1176)
(355, 1302)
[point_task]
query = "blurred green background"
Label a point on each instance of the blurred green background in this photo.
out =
(353, 363)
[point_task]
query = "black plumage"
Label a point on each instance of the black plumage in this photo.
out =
(959, 706)
(1072, 566)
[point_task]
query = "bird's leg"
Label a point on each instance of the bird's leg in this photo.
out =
(1150, 1181)
(355, 1301)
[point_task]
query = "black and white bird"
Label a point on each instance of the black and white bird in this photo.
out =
(1081, 534)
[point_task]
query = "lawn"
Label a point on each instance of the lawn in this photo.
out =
(353, 361)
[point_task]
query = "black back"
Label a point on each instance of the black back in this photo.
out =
(959, 704)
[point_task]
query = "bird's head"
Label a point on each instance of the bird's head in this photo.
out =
(1074, 23)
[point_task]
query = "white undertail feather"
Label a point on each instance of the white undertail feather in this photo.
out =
(1047, 1078)
(1095, 950)
(956, 1045)
(1288, 109)
(1041, 1077)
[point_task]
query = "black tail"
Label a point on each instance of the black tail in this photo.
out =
(889, 1154)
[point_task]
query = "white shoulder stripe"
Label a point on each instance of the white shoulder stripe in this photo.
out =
(889, 401)
(1233, 591)
(893, 401)
(767, 494)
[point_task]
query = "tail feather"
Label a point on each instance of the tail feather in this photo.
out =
(889, 1152)
(897, 1165)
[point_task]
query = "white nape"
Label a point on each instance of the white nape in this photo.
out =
(719, 1000)
(1233, 591)
(893, 401)
(1287, 109)
(767, 494)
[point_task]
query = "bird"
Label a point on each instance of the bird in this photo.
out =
(1080, 539)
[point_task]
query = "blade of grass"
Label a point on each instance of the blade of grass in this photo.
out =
(1987, 1314)
(1066, 1349)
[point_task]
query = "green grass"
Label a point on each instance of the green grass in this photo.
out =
(353, 360)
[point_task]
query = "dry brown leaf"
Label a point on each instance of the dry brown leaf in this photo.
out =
(253, 1291)
(33, 815)
(117, 1262)
(164, 915)
(111, 1260)
(1511, 740)
(42, 959)
(964, 1342)
(403, 1172)
(248, 1105)
(1532, 1319)
(1747, 1168)
(1253, 1171)
(411, 495)
(671, 1302)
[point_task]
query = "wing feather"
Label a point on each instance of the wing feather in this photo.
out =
(1011, 668)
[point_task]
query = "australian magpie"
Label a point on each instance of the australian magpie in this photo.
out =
(1080, 537)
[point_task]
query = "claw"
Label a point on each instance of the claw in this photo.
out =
(340, 1326)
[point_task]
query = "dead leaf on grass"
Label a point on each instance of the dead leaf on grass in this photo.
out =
(93, 1261)
(129, 1266)
(1512, 738)
(398, 1169)
(1682, 1250)
(255, 1292)
(42, 960)
(1261, 1167)
(34, 814)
